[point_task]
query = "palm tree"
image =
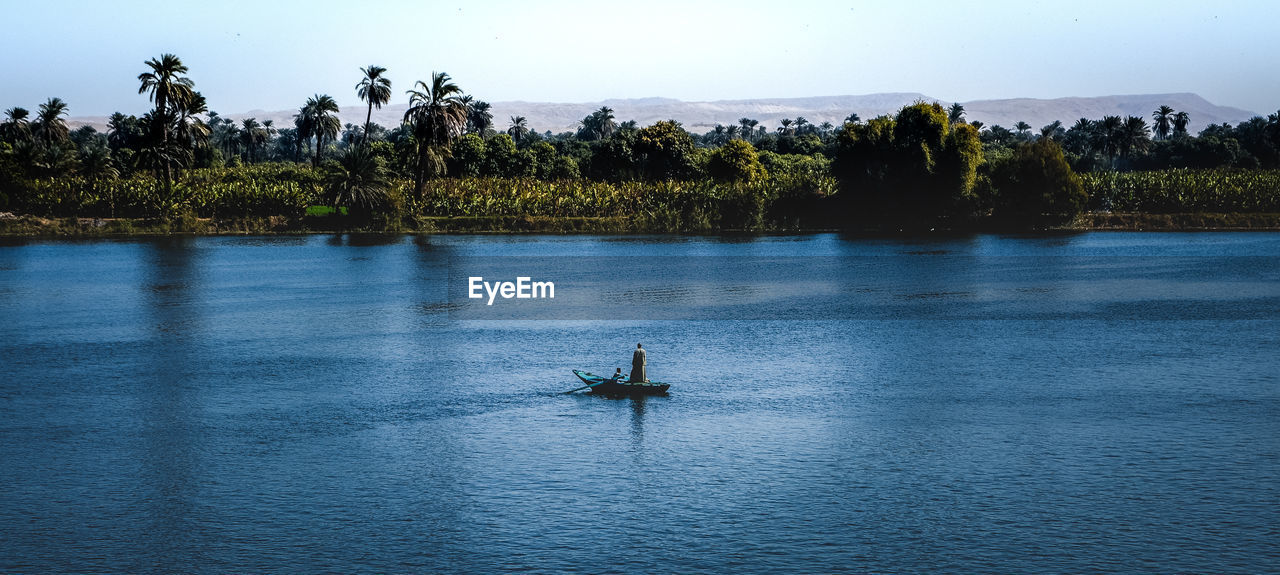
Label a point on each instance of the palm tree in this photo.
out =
(50, 128)
(119, 130)
(479, 118)
(302, 125)
(785, 127)
(1134, 136)
(1180, 121)
(252, 135)
(166, 85)
(802, 125)
(956, 114)
(375, 89)
(519, 128)
(1163, 117)
(1107, 136)
(189, 130)
(269, 132)
(436, 115)
(321, 113)
(1051, 131)
(605, 125)
(1022, 128)
(852, 119)
(16, 128)
(357, 181)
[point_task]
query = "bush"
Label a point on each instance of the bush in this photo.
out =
(736, 162)
(1036, 185)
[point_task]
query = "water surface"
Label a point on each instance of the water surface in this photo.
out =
(1094, 402)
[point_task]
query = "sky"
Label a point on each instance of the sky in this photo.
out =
(265, 55)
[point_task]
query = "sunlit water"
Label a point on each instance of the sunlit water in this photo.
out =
(309, 404)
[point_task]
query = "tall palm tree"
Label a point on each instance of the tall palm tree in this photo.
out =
(189, 130)
(375, 89)
(1163, 117)
(605, 125)
(1134, 136)
(519, 128)
(50, 128)
(302, 125)
(1022, 128)
(165, 84)
(16, 128)
(802, 124)
(269, 132)
(119, 130)
(1180, 121)
(436, 116)
(479, 118)
(321, 113)
(852, 119)
(956, 114)
(785, 127)
(1107, 134)
(252, 135)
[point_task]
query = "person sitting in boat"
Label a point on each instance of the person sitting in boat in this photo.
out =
(638, 363)
(617, 375)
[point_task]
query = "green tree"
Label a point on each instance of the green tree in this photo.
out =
(519, 129)
(1180, 122)
(436, 116)
(479, 118)
(320, 120)
(736, 162)
(1163, 117)
(955, 114)
(189, 130)
(374, 89)
(469, 157)
(665, 151)
(913, 167)
(50, 127)
(1037, 186)
(16, 128)
(357, 181)
(165, 84)
(1133, 138)
(1023, 128)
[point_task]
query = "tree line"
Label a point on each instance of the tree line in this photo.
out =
(922, 163)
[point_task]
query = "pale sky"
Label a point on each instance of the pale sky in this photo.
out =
(273, 55)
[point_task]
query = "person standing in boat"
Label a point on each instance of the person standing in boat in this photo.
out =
(638, 364)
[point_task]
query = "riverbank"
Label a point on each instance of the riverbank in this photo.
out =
(35, 226)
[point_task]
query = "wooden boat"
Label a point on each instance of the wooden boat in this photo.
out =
(609, 386)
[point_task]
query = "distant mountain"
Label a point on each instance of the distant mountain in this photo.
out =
(703, 116)
(1041, 112)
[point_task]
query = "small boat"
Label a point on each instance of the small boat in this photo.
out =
(610, 386)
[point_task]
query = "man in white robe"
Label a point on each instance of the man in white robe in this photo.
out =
(638, 364)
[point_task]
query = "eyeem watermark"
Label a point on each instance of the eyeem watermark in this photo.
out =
(523, 288)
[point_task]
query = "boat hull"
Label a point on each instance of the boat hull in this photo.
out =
(607, 386)
(631, 389)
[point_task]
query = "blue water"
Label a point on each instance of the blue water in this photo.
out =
(316, 404)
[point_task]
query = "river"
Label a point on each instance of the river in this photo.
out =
(1101, 402)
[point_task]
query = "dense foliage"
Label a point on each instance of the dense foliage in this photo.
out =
(923, 165)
